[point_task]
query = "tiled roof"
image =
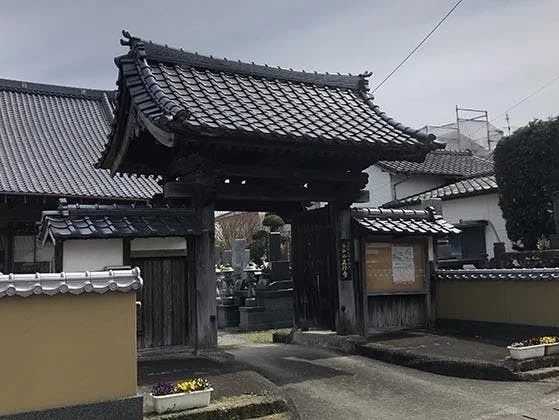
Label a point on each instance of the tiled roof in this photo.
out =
(219, 97)
(465, 188)
(116, 221)
(50, 138)
(389, 221)
(445, 163)
(500, 274)
(25, 285)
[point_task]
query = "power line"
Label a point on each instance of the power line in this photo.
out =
(534, 93)
(418, 45)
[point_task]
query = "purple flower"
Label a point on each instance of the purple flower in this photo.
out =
(163, 388)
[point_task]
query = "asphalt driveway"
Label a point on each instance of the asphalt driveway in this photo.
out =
(325, 384)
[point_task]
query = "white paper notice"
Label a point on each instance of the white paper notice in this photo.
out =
(403, 270)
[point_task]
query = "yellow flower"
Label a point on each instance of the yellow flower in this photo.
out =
(185, 386)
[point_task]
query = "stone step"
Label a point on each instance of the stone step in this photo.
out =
(537, 374)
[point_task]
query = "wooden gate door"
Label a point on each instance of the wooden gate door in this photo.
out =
(316, 291)
(162, 318)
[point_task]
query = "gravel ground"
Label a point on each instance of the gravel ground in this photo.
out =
(226, 338)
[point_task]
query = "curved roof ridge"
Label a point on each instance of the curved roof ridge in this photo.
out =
(178, 56)
(50, 89)
(417, 133)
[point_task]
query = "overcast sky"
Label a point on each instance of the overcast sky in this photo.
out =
(489, 54)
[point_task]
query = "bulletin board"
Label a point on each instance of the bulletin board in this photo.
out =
(391, 267)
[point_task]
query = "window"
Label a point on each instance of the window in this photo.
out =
(468, 245)
(30, 256)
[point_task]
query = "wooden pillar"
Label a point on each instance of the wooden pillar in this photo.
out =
(430, 266)
(126, 246)
(202, 308)
(59, 257)
(10, 249)
(342, 266)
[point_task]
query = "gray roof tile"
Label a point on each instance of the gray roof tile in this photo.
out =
(445, 163)
(227, 98)
(408, 222)
(50, 138)
(465, 188)
(115, 221)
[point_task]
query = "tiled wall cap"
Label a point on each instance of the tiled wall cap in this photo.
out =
(75, 283)
(500, 274)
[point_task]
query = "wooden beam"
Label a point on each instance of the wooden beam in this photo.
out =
(300, 174)
(265, 193)
(158, 253)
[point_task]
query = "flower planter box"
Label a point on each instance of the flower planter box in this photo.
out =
(182, 401)
(527, 352)
(552, 348)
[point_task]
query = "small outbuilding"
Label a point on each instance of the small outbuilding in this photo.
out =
(100, 237)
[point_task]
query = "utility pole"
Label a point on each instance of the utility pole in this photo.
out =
(508, 121)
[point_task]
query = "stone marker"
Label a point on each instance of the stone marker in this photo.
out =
(275, 246)
(280, 270)
(228, 257)
(218, 255)
(238, 257)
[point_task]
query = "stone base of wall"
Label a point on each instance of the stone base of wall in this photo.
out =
(227, 316)
(125, 408)
(497, 330)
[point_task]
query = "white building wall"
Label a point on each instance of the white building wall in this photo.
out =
(406, 186)
(157, 244)
(382, 186)
(481, 207)
(379, 187)
(91, 254)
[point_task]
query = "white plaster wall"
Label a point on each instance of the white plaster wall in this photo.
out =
(378, 186)
(415, 184)
(481, 207)
(91, 254)
(157, 244)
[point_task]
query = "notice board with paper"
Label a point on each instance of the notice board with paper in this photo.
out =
(393, 267)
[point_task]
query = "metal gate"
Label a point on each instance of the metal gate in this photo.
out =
(162, 317)
(316, 291)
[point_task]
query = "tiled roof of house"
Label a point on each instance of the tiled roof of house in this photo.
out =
(116, 221)
(409, 222)
(445, 163)
(465, 188)
(219, 97)
(50, 139)
(25, 285)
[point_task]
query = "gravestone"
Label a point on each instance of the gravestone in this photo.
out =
(280, 270)
(275, 246)
(218, 255)
(228, 257)
(240, 257)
